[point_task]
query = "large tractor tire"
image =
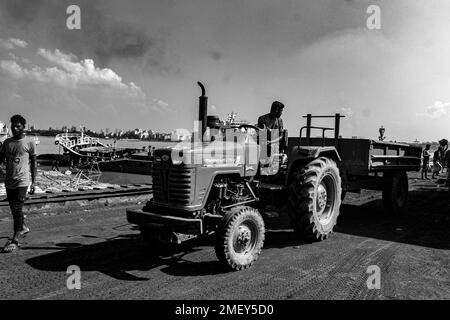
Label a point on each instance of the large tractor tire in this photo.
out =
(395, 192)
(314, 199)
(240, 238)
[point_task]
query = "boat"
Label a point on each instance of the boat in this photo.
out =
(82, 148)
(74, 142)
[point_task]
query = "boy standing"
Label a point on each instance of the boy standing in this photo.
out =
(447, 161)
(425, 161)
(437, 166)
(20, 155)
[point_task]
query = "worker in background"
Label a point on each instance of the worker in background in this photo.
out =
(55, 165)
(437, 162)
(425, 161)
(447, 162)
(444, 144)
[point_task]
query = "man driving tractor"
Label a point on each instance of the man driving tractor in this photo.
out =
(273, 119)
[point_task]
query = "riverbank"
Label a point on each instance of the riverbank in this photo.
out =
(112, 177)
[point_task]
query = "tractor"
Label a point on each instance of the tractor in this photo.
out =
(210, 187)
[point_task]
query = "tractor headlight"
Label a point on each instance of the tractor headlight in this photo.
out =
(177, 159)
(177, 162)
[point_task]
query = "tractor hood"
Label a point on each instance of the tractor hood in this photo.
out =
(216, 153)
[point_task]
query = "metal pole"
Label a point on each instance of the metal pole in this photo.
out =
(203, 109)
(337, 128)
(308, 128)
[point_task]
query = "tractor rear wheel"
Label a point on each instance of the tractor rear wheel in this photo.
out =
(314, 199)
(240, 238)
(395, 192)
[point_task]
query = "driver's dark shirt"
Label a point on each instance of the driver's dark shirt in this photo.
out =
(270, 123)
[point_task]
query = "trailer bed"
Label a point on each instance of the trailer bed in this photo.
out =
(366, 156)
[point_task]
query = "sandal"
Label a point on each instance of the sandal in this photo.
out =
(10, 246)
(24, 231)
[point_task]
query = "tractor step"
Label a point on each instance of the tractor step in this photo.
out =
(271, 186)
(271, 214)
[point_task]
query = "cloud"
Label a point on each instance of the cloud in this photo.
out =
(160, 103)
(103, 37)
(69, 73)
(12, 43)
(83, 72)
(61, 80)
(347, 111)
(438, 110)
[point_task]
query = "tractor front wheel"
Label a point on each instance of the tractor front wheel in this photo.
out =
(240, 238)
(314, 199)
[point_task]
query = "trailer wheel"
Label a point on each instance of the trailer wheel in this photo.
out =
(314, 199)
(395, 192)
(240, 238)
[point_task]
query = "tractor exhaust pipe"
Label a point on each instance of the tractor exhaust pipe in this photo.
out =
(202, 109)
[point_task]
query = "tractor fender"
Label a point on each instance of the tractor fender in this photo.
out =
(330, 153)
(306, 155)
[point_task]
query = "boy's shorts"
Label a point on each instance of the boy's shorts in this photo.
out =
(437, 167)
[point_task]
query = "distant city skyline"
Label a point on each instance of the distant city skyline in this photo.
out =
(135, 64)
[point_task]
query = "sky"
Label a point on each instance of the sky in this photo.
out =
(135, 64)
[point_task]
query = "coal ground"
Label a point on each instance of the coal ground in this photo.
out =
(412, 252)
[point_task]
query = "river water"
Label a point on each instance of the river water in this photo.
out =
(47, 144)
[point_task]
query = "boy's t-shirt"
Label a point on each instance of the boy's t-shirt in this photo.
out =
(426, 156)
(17, 156)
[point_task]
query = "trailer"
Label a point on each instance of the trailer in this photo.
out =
(364, 163)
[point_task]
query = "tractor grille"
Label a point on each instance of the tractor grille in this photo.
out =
(173, 186)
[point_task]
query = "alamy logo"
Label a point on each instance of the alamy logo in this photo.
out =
(74, 20)
(230, 146)
(374, 280)
(374, 20)
(74, 280)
